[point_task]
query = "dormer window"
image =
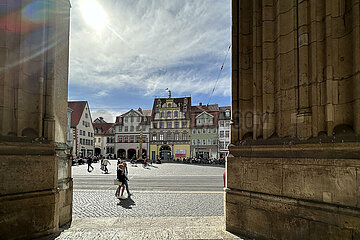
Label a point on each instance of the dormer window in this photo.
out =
(227, 113)
(169, 104)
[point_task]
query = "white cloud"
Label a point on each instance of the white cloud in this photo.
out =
(108, 115)
(175, 44)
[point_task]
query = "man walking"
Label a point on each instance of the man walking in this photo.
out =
(105, 163)
(89, 161)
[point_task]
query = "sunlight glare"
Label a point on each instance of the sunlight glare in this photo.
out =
(94, 14)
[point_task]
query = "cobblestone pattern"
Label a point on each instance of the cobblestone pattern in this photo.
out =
(96, 204)
(147, 228)
(165, 169)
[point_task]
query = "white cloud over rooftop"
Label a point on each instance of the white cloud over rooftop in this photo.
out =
(163, 43)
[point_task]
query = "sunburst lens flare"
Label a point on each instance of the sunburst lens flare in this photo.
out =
(94, 14)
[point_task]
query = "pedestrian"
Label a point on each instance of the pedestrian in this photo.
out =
(89, 162)
(105, 163)
(124, 182)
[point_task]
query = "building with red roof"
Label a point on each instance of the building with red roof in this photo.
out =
(104, 137)
(224, 130)
(204, 132)
(82, 129)
(132, 134)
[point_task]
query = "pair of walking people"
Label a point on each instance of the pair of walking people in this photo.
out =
(121, 175)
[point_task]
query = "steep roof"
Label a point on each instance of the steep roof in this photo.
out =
(147, 112)
(78, 108)
(212, 110)
(205, 108)
(104, 126)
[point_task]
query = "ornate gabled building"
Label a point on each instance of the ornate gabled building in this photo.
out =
(82, 129)
(204, 131)
(170, 128)
(104, 141)
(130, 127)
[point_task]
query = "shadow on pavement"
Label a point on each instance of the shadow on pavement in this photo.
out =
(127, 203)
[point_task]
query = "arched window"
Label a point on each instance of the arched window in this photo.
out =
(168, 114)
(176, 114)
(169, 104)
(162, 114)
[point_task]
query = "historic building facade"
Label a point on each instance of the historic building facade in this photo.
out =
(130, 128)
(293, 166)
(170, 128)
(204, 131)
(224, 130)
(35, 172)
(82, 129)
(104, 140)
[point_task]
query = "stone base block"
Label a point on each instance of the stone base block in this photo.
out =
(24, 216)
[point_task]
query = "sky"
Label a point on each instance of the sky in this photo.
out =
(126, 52)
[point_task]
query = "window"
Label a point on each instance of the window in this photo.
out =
(137, 128)
(184, 124)
(126, 119)
(227, 123)
(198, 142)
(176, 114)
(204, 142)
(169, 125)
(209, 142)
(99, 139)
(131, 128)
(144, 139)
(209, 130)
(91, 142)
(137, 139)
(168, 135)
(194, 131)
(199, 131)
(198, 121)
(89, 134)
(154, 125)
(107, 140)
(126, 139)
(138, 119)
(162, 114)
(126, 128)
(120, 139)
(86, 115)
(214, 142)
(161, 136)
(168, 114)
(83, 123)
(176, 136)
(204, 130)
(131, 139)
(80, 140)
(169, 104)
(154, 137)
(120, 128)
(161, 125)
(227, 134)
(221, 123)
(193, 142)
(184, 136)
(80, 132)
(131, 118)
(176, 125)
(214, 130)
(221, 134)
(227, 113)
